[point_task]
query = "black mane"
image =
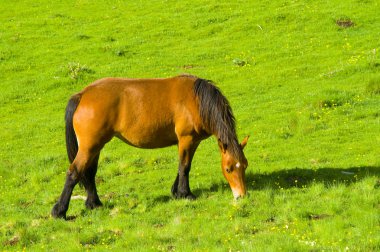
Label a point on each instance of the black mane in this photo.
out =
(217, 116)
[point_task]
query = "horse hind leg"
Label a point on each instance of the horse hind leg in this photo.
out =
(60, 208)
(88, 180)
(78, 172)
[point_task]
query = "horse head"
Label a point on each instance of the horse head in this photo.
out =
(234, 169)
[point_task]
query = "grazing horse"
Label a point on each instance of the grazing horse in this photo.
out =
(149, 113)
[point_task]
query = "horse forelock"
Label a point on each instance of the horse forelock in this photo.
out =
(217, 117)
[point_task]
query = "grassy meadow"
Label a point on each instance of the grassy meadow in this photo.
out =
(302, 77)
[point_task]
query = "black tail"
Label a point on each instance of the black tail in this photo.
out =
(71, 138)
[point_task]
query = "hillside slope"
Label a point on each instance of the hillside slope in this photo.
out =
(303, 79)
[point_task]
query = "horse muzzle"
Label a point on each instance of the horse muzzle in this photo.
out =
(239, 193)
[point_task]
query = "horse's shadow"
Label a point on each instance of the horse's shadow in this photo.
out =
(300, 178)
(292, 178)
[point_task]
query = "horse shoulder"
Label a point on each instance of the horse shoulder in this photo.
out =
(187, 117)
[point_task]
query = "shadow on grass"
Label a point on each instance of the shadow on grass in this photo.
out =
(300, 177)
(163, 199)
(292, 178)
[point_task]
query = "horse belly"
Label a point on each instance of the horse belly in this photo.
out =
(149, 136)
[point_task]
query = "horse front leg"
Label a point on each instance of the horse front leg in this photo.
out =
(181, 186)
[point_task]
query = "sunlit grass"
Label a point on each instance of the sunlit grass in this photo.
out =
(302, 78)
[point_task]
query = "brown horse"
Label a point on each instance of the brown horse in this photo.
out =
(149, 113)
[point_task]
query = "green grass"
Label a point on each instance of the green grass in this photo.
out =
(302, 78)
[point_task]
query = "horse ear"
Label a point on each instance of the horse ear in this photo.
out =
(244, 142)
(222, 146)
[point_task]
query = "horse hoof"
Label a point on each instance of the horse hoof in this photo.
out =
(57, 213)
(188, 196)
(174, 190)
(191, 196)
(174, 193)
(93, 204)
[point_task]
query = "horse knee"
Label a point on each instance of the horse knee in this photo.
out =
(93, 202)
(72, 178)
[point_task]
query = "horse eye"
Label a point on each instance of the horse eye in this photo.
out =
(228, 170)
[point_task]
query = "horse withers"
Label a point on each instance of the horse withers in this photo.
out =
(149, 113)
